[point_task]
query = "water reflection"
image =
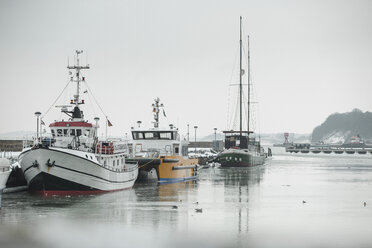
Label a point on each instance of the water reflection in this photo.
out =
(260, 206)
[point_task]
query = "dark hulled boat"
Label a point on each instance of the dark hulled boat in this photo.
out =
(240, 149)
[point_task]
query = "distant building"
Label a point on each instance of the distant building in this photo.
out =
(13, 145)
(217, 145)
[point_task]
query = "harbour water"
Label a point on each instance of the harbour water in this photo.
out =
(295, 200)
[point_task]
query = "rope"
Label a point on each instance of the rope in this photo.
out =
(55, 100)
(90, 91)
(146, 163)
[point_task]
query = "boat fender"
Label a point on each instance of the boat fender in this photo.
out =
(35, 164)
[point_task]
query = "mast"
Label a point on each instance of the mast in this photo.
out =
(76, 112)
(240, 79)
(249, 88)
(156, 109)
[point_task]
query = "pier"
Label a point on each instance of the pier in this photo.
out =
(328, 150)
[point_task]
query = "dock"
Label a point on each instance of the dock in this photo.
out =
(335, 150)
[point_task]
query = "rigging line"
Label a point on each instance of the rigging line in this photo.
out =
(228, 108)
(95, 99)
(245, 119)
(55, 100)
(90, 100)
(234, 65)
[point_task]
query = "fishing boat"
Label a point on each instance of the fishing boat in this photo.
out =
(72, 160)
(240, 149)
(5, 171)
(161, 152)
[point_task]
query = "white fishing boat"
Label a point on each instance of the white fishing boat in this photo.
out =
(5, 171)
(72, 160)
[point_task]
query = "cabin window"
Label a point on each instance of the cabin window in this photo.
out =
(65, 132)
(122, 160)
(59, 132)
(166, 135)
(72, 132)
(113, 163)
(149, 135)
(138, 135)
(78, 132)
(118, 162)
(53, 134)
(87, 132)
(176, 150)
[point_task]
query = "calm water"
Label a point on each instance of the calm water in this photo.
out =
(254, 207)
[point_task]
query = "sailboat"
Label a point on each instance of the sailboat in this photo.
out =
(240, 149)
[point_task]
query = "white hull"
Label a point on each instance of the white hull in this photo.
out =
(56, 170)
(4, 175)
(4, 178)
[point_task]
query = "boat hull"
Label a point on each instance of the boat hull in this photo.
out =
(176, 169)
(240, 158)
(169, 169)
(58, 171)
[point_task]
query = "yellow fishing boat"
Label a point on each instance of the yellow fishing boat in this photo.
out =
(161, 152)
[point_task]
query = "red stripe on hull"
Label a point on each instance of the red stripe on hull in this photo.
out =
(48, 193)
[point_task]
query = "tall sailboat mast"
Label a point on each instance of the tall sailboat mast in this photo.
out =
(249, 89)
(240, 80)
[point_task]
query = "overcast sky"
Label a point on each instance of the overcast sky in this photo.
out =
(309, 59)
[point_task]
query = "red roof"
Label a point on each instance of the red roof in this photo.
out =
(70, 124)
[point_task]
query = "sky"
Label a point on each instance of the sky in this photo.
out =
(309, 59)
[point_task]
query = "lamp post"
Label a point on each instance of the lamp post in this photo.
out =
(196, 127)
(37, 114)
(188, 133)
(215, 137)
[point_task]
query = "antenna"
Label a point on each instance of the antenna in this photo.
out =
(156, 109)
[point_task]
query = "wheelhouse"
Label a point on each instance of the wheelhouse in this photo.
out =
(237, 139)
(154, 135)
(72, 129)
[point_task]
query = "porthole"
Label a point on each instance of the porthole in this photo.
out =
(86, 155)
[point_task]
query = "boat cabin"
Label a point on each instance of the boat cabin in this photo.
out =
(163, 141)
(72, 129)
(237, 139)
(154, 135)
(73, 134)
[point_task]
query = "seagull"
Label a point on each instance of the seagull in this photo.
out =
(174, 207)
(365, 203)
(196, 203)
(303, 202)
(199, 210)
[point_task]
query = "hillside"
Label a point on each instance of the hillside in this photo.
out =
(340, 127)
